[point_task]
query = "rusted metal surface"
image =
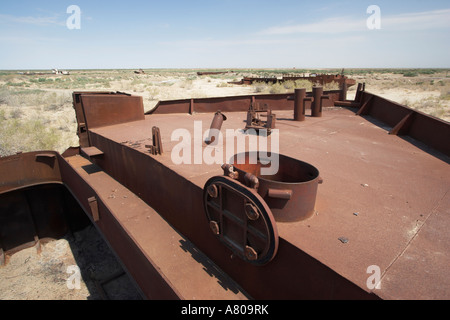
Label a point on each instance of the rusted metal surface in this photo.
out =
(300, 100)
(251, 80)
(241, 220)
(209, 73)
(28, 169)
(164, 264)
(216, 125)
(156, 147)
(254, 120)
(34, 205)
(156, 179)
(149, 248)
(399, 188)
(108, 110)
(407, 122)
(91, 152)
(284, 101)
(80, 115)
(290, 193)
(317, 102)
(348, 275)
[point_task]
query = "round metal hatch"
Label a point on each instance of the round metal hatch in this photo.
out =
(241, 220)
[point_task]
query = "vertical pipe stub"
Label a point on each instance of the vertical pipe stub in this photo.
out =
(316, 106)
(299, 104)
(344, 89)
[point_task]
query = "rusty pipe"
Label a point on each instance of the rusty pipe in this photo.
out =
(215, 127)
(279, 193)
(344, 89)
(316, 106)
(299, 104)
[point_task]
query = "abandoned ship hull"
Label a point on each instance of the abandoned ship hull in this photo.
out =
(183, 230)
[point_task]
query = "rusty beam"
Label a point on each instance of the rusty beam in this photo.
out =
(364, 109)
(403, 126)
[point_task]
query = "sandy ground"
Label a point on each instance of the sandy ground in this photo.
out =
(48, 274)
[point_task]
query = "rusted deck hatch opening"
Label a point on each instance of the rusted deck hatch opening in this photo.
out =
(38, 214)
(43, 219)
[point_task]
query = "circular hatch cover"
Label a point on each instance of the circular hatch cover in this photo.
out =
(240, 219)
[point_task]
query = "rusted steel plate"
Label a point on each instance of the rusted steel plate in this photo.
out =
(104, 110)
(91, 152)
(163, 263)
(37, 213)
(28, 169)
(291, 192)
(365, 170)
(79, 113)
(241, 220)
(16, 222)
(424, 260)
(235, 103)
(157, 179)
(383, 205)
(207, 73)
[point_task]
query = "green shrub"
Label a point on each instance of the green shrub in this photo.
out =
(26, 135)
(277, 88)
(410, 74)
(260, 87)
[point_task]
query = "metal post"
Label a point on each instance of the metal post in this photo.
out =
(299, 104)
(316, 106)
(358, 93)
(343, 93)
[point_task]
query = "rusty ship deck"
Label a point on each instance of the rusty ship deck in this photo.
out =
(384, 201)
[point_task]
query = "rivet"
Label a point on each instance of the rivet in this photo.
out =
(212, 191)
(251, 211)
(250, 253)
(214, 227)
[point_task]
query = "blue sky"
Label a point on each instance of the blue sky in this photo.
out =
(224, 34)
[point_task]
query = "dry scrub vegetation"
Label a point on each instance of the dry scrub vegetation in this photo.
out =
(36, 111)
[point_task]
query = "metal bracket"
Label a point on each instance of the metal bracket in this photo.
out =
(91, 152)
(254, 121)
(156, 147)
(94, 208)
